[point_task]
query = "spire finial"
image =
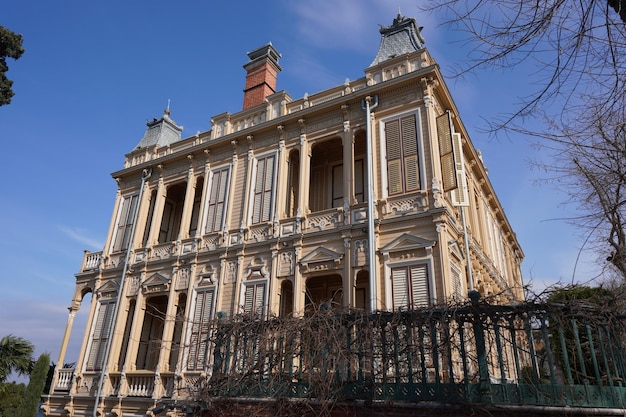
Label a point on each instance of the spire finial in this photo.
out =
(167, 110)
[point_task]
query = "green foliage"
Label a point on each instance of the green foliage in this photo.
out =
(15, 356)
(11, 395)
(10, 47)
(579, 307)
(32, 396)
(595, 295)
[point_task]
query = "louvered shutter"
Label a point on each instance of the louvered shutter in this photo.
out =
(446, 151)
(203, 312)
(125, 222)
(419, 285)
(195, 333)
(394, 157)
(248, 303)
(259, 299)
(221, 199)
(400, 288)
(262, 205)
(409, 153)
(267, 188)
(217, 200)
(204, 318)
(100, 336)
(460, 196)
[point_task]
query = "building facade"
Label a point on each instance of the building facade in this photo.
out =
(369, 196)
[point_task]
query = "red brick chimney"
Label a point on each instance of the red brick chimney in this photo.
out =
(261, 73)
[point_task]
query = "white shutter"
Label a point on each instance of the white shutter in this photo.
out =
(259, 300)
(460, 196)
(399, 288)
(419, 285)
(248, 303)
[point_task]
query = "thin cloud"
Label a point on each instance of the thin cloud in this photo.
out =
(348, 23)
(79, 236)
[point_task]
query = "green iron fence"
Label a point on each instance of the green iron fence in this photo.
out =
(527, 354)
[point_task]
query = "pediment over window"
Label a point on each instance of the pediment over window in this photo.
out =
(321, 258)
(108, 290)
(407, 242)
(455, 249)
(155, 283)
(207, 278)
(407, 246)
(257, 269)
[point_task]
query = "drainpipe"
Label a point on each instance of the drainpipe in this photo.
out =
(147, 173)
(365, 104)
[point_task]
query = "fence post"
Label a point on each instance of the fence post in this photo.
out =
(481, 350)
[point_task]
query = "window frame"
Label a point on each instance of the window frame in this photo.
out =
(223, 169)
(127, 212)
(271, 192)
(410, 304)
(384, 160)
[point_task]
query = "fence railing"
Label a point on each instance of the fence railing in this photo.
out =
(531, 354)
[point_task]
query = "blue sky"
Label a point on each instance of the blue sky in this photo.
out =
(94, 72)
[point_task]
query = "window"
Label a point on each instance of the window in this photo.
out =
(172, 213)
(254, 298)
(455, 278)
(402, 156)
(359, 181)
(263, 190)
(337, 185)
(125, 222)
(198, 342)
(100, 336)
(410, 286)
(193, 224)
(217, 200)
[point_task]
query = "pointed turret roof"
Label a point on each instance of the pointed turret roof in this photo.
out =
(402, 37)
(160, 132)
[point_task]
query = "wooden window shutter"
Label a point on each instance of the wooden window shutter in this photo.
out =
(267, 188)
(419, 285)
(217, 200)
(203, 312)
(394, 157)
(125, 222)
(460, 195)
(264, 181)
(446, 151)
(100, 336)
(400, 288)
(409, 151)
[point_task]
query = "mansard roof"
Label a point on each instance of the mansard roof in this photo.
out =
(160, 132)
(402, 37)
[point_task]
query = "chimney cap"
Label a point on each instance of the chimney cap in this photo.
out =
(264, 53)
